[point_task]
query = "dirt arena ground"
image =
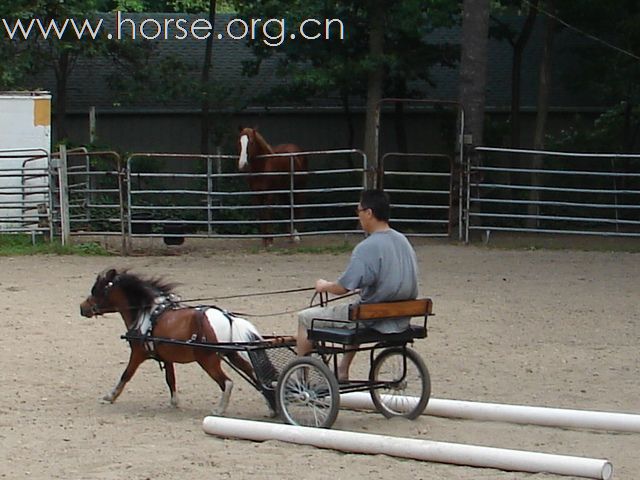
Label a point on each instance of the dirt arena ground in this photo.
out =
(536, 327)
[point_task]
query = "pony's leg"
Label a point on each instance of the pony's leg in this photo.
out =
(170, 376)
(136, 357)
(242, 364)
(211, 364)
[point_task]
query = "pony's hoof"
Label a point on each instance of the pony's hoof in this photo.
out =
(174, 402)
(272, 413)
(106, 400)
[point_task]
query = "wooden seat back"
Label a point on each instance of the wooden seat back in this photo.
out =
(421, 307)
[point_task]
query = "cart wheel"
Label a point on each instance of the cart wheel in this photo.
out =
(405, 394)
(308, 393)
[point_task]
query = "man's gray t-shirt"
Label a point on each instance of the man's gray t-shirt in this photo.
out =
(385, 269)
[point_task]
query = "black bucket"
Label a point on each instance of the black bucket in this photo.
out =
(176, 232)
(141, 223)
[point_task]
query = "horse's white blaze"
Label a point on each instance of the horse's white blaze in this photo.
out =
(244, 142)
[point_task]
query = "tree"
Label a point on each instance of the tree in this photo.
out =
(18, 61)
(473, 68)
(311, 70)
(375, 83)
(62, 53)
(418, 54)
(518, 40)
(544, 87)
(59, 52)
(608, 69)
(204, 88)
(473, 78)
(544, 76)
(384, 49)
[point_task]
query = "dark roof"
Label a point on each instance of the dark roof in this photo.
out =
(89, 82)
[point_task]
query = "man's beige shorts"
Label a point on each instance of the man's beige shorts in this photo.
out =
(328, 313)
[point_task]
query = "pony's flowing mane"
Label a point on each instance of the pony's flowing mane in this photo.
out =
(141, 292)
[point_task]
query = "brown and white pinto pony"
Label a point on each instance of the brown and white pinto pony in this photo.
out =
(251, 146)
(135, 299)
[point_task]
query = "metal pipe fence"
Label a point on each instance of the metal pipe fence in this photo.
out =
(419, 185)
(24, 191)
(94, 193)
(178, 195)
(554, 192)
(174, 196)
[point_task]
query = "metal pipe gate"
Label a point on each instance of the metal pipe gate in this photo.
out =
(554, 192)
(24, 191)
(207, 197)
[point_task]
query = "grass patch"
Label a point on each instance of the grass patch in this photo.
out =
(318, 249)
(17, 244)
(586, 243)
(309, 249)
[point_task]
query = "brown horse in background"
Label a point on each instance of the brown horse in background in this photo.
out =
(150, 308)
(251, 148)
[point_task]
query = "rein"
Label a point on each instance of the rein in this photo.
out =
(324, 300)
(255, 294)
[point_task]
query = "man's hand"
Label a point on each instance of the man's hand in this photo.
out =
(323, 285)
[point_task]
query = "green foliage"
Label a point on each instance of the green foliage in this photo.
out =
(604, 134)
(17, 244)
(339, 67)
(606, 75)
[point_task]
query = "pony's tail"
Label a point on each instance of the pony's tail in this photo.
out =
(264, 369)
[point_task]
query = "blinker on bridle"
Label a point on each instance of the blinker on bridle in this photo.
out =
(95, 308)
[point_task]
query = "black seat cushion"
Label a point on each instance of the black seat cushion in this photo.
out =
(346, 336)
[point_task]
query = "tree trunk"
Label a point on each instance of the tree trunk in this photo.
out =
(205, 120)
(473, 67)
(544, 79)
(374, 86)
(516, 70)
(348, 115)
(62, 71)
(401, 163)
(473, 80)
(401, 129)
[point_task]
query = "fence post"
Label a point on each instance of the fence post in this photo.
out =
(65, 225)
(92, 125)
(124, 210)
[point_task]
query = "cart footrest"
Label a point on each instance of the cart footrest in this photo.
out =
(346, 336)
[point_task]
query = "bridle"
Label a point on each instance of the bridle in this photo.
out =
(97, 306)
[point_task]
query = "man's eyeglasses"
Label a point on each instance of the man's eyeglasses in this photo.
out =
(358, 209)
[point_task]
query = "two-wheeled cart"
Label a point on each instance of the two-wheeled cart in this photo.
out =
(305, 390)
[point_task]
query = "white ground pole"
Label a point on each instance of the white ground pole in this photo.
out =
(551, 417)
(455, 453)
